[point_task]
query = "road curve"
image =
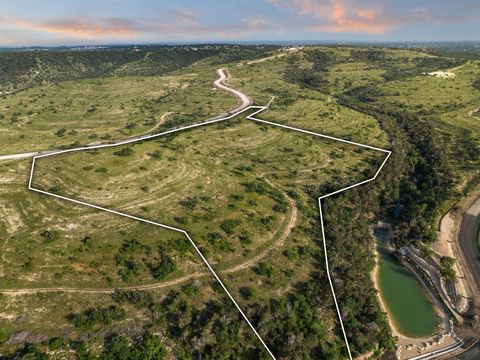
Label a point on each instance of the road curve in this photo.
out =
(244, 100)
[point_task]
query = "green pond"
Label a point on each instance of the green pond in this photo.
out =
(407, 303)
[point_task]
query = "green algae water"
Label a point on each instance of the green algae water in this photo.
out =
(407, 303)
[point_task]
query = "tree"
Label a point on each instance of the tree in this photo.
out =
(152, 348)
(447, 270)
(164, 267)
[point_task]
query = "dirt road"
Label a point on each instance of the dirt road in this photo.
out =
(18, 156)
(266, 59)
(243, 102)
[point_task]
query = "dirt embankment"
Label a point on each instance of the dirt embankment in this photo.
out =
(457, 238)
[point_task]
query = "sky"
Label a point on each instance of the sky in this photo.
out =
(91, 22)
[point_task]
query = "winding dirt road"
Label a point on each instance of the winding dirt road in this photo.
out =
(243, 102)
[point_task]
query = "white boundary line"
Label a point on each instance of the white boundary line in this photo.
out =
(249, 117)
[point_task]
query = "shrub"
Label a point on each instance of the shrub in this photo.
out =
(229, 225)
(447, 267)
(156, 154)
(264, 269)
(28, 265)
(88, 241)
(245, 239)
(247, 293)
(182, 245)
(139, 299)
(49, 236)
(216, 239)
(126, 151)
(189, 202)
(258, 187)
(163, 268)
(100, 315)
(61, 132)
(55, 343)
(190, 289)
(476, 84)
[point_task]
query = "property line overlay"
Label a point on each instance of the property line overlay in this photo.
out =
(251, 117)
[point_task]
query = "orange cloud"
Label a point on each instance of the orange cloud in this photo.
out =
(111, 28)
(354, 19)
(183, 24)
(343, 15)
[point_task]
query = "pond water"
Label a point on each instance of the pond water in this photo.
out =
(407, 303)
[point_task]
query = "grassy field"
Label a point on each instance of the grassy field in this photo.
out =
(102, 109)
(230, 195)
(449, 104)
(301, 107)
(242, 190)
(47, 243)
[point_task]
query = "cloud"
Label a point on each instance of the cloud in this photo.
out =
(184, 15)
(176, 23)
(348, 16)
(258, 23)
(108, 28)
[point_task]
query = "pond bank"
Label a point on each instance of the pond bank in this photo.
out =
(426, 330)
(406, 302)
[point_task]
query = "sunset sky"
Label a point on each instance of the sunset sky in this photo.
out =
(67, 22)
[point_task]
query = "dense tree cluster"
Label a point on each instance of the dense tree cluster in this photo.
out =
(426, 180)
(115, 347)
(16, 68)
(99, 315)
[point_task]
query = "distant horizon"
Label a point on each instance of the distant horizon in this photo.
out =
(242, 42)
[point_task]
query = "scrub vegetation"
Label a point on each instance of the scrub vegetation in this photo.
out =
(245, 192)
